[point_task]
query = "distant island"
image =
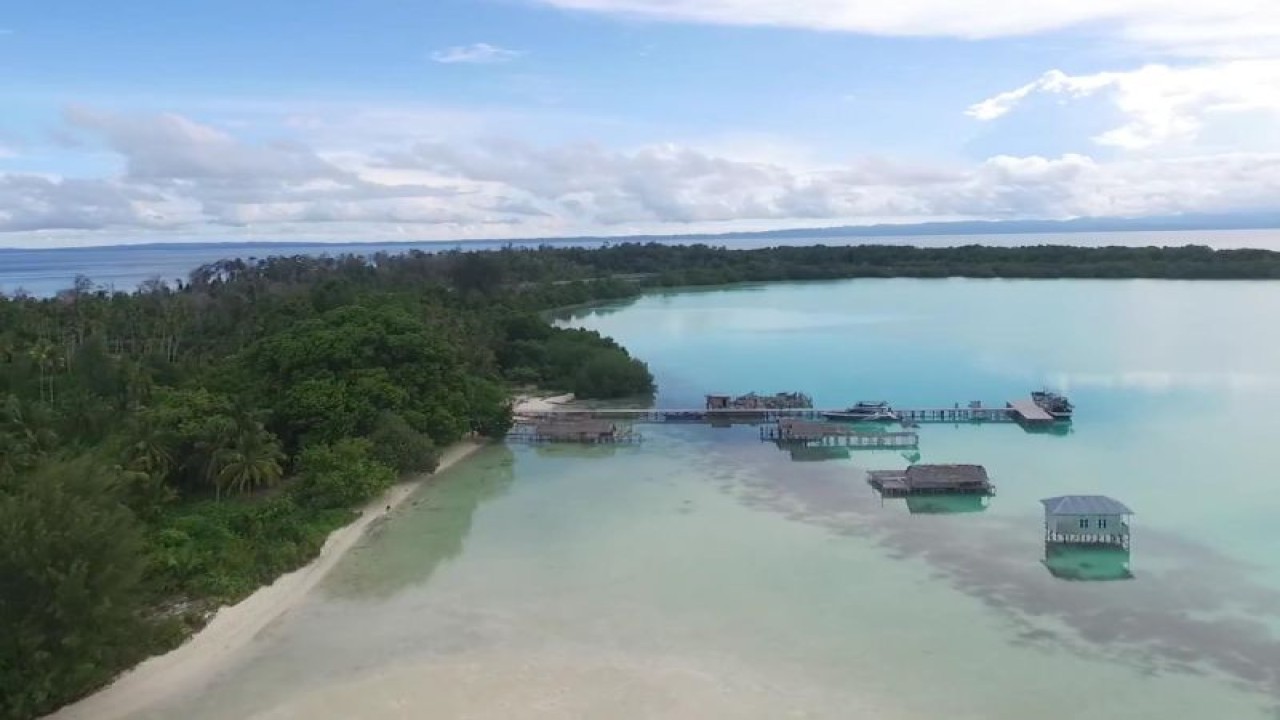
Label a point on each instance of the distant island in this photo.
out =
(959, 228)
(1168, 223)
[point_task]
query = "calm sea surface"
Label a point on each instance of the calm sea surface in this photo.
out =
(706, 574)
(45, 272)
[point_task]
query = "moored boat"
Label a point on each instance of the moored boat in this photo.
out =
(1051, 402)
(865, 411)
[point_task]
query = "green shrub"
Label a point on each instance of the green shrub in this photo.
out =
(224, 550)
(342, 475)
(70, 570)
(400, 447)
(609, 374)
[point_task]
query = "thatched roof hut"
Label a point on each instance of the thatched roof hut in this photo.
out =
(935, 477)
(932, 479)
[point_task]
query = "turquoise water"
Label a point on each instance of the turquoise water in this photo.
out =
(707, 574)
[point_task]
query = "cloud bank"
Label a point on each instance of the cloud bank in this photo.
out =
(178, 174)
(1162, 104)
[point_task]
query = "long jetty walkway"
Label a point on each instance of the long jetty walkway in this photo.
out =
(807, 432)
(1026, 413)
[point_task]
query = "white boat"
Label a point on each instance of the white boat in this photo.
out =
(865, 411)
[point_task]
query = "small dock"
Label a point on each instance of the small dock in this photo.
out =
(974, 413)
(796, 430)
(1027, 412)
(585, 431)
(932, 480)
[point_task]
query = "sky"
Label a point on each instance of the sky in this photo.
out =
(144, 121)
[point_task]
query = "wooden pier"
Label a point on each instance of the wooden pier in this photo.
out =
(971, 414)
(722, 410)
(795, 430)
(1029, 413)
(586, 431)
(730, 416)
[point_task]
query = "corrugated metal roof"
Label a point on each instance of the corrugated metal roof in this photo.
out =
(929, 475)
(1085, 505)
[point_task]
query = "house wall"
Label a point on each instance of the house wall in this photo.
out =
(1070, 525)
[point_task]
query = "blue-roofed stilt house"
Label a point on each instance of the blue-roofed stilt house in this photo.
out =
(1086, 520)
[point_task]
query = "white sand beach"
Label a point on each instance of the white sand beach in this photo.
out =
(526, 404)
(208, 651)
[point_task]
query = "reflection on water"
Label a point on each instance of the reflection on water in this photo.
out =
(429, 531)
(1067, 561)
(597, 451)
(1057, 429)
(946, 504)
(1147, 624)
(801, 452)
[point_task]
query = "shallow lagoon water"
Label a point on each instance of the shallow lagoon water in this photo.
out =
(707, 574)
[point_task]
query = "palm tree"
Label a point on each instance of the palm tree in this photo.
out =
(42, 353)
(24, 436)
(151, 452)
(254, 461)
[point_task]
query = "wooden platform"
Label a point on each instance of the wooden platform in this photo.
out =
(956, 415)
(588, 432)
(1120, 540)
(1029, 413)
(844, 434)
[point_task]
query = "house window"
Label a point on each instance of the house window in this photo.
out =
(1084, 523)
(1102, 523)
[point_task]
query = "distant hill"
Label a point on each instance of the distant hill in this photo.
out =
(1232, 221)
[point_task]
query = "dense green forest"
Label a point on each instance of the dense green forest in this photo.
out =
(166, 451)
(675, 265)
(170, 449)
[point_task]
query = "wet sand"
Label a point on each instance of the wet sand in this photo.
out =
(210, 650)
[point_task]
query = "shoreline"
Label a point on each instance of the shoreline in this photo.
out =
(208, 651)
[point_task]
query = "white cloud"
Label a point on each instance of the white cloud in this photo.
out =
(678, 185)
(476, 54)
(1162, 104)
(1230, 27)
(32, 202)
(182, 176)
(218, 178)
(171, 147)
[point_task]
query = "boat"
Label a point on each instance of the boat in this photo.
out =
(865, 411)
(1051, 402)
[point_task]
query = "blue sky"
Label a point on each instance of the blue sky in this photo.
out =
(446, 119)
